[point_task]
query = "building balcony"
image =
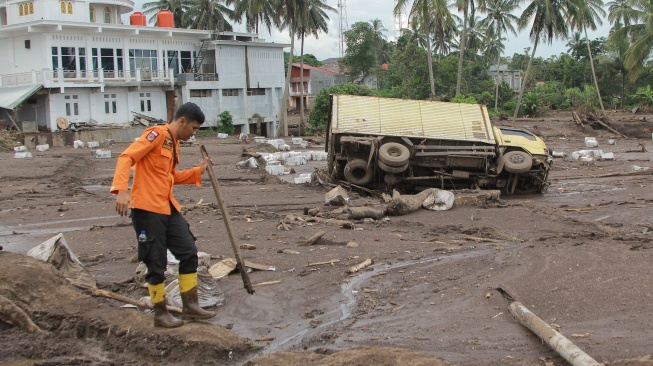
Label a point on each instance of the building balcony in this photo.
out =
(60, 78)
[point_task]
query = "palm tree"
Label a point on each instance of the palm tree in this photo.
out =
(464, 6)
(379, 37)
(584, 14)
(424, 11)
(575, 45)
(313, 20)
(444, 31)
(255, 12)
(641, 33)
(616, 56)
(176, 7)
(500, 20)
(287, 13)
(208, 14)
(548, 20)
(620, 12)
(476, 34)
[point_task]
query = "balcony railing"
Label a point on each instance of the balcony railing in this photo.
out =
(61, 76)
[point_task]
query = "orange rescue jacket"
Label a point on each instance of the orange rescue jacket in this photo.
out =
(154, 173)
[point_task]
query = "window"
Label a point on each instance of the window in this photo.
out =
(230, 92)
(63, 7)
(186, 61)
(106, 59)
(173, 63)
(66, 7)
(31, 8)
(26, 8)
(55, 58)
(143, 59)
(68, 61)
(81, 52)
(107, 15)
(91, 11)
(21, 11)
(256, 91)
(110, 104)
(202, 93)
(72, 105)
(70, 7)
(146, 102)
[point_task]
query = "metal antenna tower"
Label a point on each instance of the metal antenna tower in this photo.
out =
(342, 17)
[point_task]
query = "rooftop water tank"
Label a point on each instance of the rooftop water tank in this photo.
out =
(138, 19)
(165, 19)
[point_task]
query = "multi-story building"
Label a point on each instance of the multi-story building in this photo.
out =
(511, 77)
(315, 79)
(77, 60)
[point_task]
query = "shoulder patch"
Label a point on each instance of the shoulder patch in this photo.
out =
(167, 143)
(152, 136)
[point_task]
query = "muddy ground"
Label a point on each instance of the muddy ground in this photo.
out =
(579, 256)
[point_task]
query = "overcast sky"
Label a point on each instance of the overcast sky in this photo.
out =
(326, 46)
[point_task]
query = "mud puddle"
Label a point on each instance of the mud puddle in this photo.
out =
(349, 292)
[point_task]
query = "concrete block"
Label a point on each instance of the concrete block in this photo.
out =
(222, 135)
(275, 169)
(20, 148)
(44, 147)
(93, 144)
(78, 144)
(23, 155)
(319, 155)
(297, 140)
(103, 154)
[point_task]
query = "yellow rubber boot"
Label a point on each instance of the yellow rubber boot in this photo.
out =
(188, 289)
(162, 318)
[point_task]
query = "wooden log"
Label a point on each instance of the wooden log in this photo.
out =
(266, 283)
(314, 238)
(129, 300)
(332, 222)
(11, 314)
(552, 337)
(359, 266)
(357, 213)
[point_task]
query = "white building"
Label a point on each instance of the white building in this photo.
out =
(511, 77)
(75, 59)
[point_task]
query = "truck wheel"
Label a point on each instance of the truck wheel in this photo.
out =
(517, 162)
(393, 169)
(357, 172)
(394, 154)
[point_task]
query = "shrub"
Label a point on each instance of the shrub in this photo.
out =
(462, 99)
(582, 100)
(226, 123)
(318, 118)
(531, 105)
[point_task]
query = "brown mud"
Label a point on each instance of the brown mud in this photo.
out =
(578, 256)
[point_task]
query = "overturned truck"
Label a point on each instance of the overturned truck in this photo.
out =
(415, 144)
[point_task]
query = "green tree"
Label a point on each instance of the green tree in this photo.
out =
(408, 71)
(255, 12)
(226, 123)
(312, 21)
(621, 13)
(616, 60)
(585, 14)
(547, 20)
(360, 54)
(378, 29)
(309, 59)
(318, 118)
(499, 21)
(641, 33)
(208, 14)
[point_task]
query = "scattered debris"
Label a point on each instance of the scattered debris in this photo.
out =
(287, 251)
(352, 244)
(267, 283)
(247, 246)
(13, 315)
(431, 199)
(314, 238)
(357, 213)
(360, 266)
(336, 197)
(265, 339)
(331, 262)
(129, 300)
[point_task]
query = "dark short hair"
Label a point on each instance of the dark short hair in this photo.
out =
(191, 112)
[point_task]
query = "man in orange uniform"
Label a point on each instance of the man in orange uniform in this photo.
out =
(156, 215)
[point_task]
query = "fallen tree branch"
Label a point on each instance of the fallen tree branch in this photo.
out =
(11, 314)
(314, 238)
(129, 300)
(331, 262)
(266, 283)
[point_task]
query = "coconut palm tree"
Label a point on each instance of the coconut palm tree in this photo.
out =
(616, 58)
(620, 12)
(313, 20)
(500, 20)
(255, 13)
(585, 14)
(424, 11)
(176, 7)
(476, 34)
(463, 5)
(208, 14)
(547, 20)
(379, 37)
(641, 34)
(287, 14)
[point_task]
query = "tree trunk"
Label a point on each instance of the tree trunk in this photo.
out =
(462, 51)
(430, 61)
(596, 84)
(623, 88)
(496, 82)
(523, 84)
(282, 129)
(301, 86)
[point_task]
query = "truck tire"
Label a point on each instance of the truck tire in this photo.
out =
(394, 154)
(517, 162)
(393, 169)
(357, 172)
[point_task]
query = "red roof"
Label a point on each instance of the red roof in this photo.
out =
(309, 67)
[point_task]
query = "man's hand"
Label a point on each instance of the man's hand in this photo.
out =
(123, 201)
(204, 163)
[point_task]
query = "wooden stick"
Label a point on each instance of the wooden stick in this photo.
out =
(360, 266)
(129, 300)
(552, 337)
(314, 238)
(283, 225)
(331, 262)
(227, 221)
(266, 283)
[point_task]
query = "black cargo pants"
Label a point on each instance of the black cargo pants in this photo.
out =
(164, 232)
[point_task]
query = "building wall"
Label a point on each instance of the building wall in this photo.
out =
(51, 10)
(230, 65)
(264, 65)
